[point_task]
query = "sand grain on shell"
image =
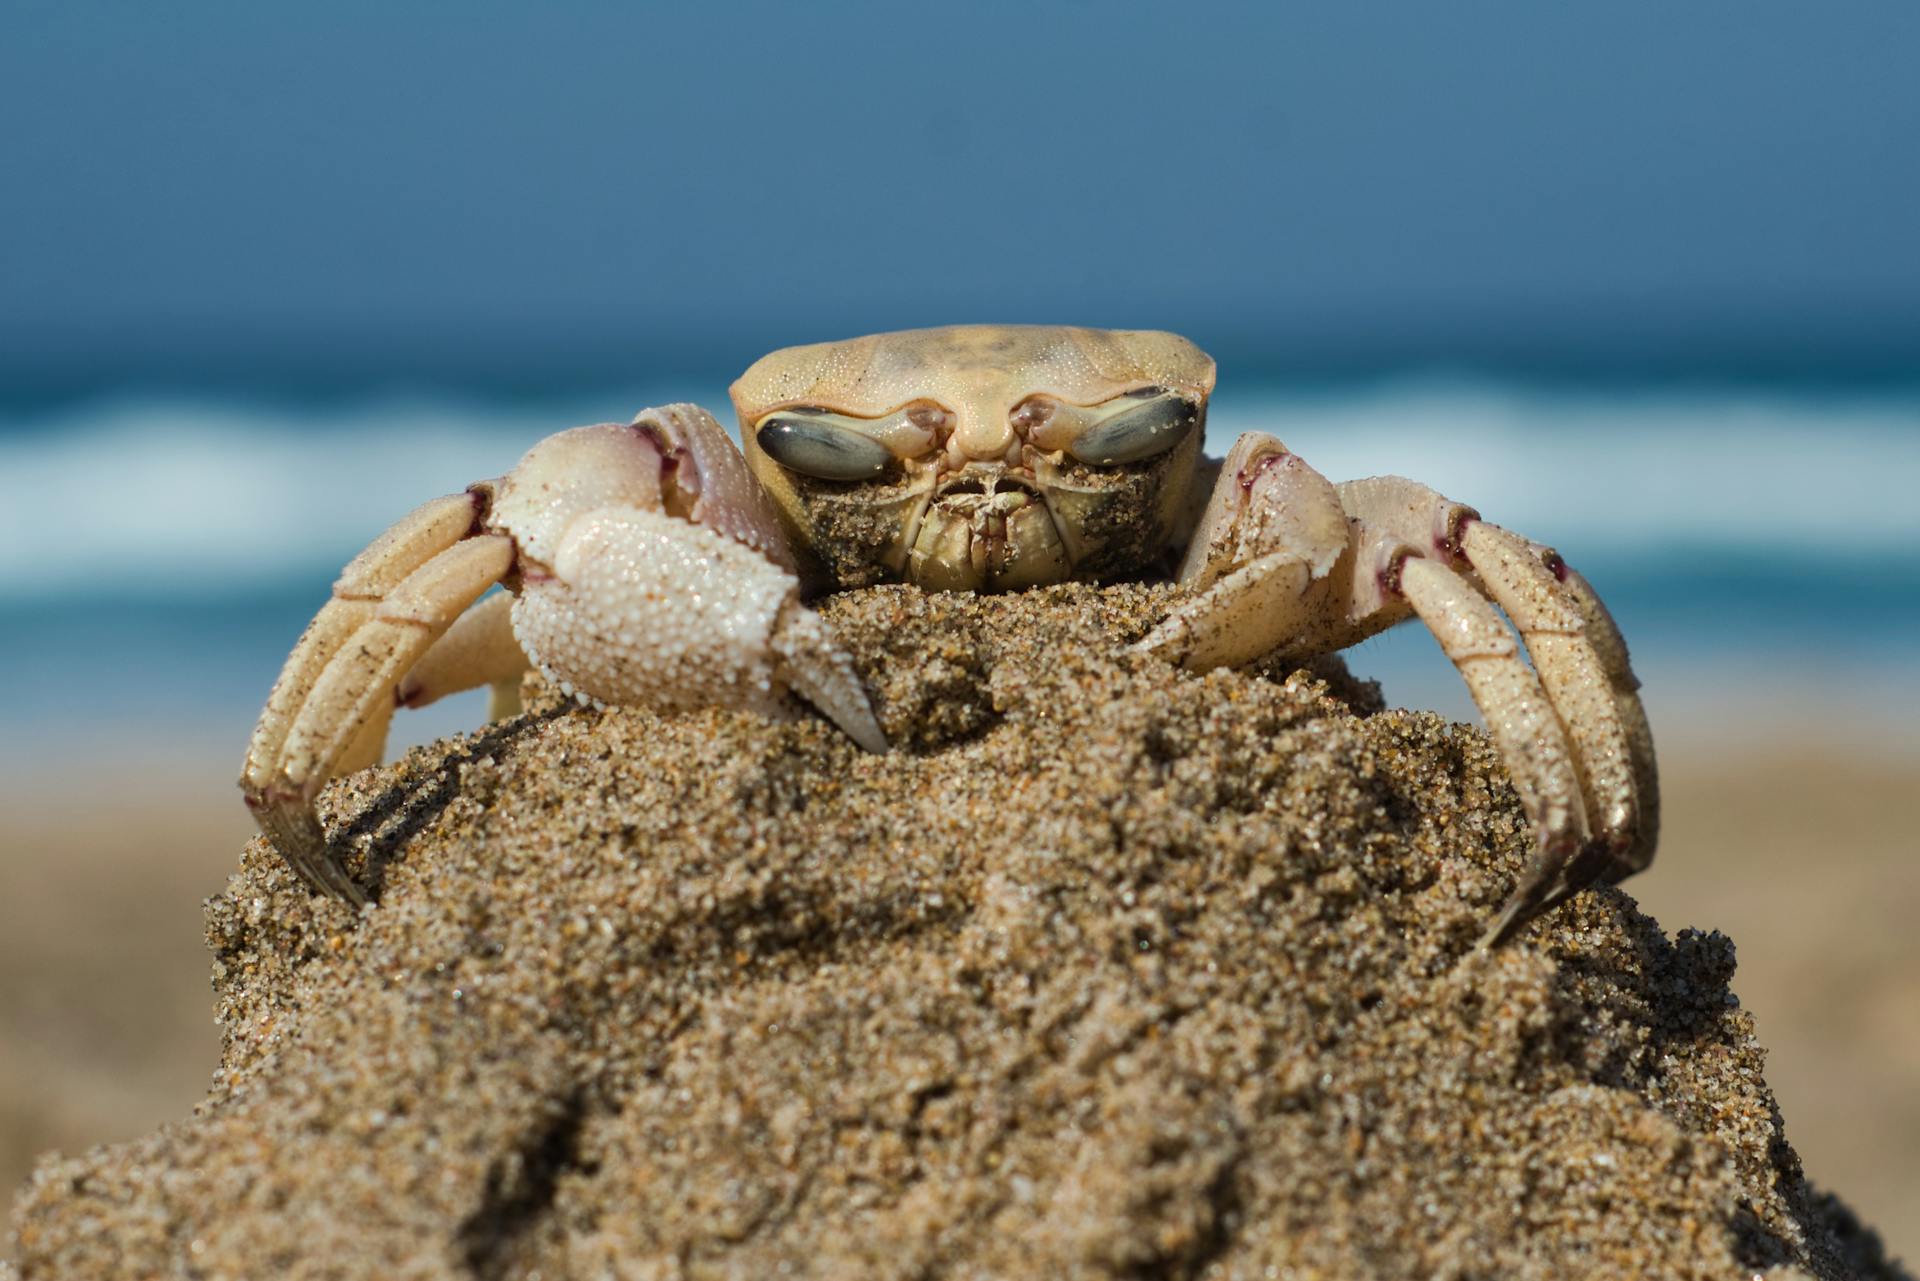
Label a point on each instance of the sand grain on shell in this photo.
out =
(1114, 971)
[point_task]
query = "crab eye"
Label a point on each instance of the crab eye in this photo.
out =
(807, 441)
(1142, 424)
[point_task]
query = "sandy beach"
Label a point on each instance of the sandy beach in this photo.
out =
(1796, 847)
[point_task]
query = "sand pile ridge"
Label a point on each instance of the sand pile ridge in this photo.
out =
(1112, 971)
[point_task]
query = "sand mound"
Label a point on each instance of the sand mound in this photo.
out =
(1114, 972)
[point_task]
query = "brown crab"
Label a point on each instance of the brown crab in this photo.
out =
(655, 563)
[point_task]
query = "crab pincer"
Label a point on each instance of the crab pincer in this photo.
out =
(645, 566)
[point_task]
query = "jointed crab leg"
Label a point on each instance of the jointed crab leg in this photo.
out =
(1284, 563)
(1259, 561)
(1582, 662)
(479, 649)
(1582, 669)
(333, 698)
(1611, 648)
(428, 529)
(1520, 720)
(1516, 576)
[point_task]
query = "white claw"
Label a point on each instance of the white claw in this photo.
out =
(811, 661)
(657, 576)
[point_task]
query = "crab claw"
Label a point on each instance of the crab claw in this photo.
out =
(649, 569)
(653, 571)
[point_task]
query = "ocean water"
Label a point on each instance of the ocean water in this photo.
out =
(1758, 544)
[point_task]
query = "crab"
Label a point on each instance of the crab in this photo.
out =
(654, 563)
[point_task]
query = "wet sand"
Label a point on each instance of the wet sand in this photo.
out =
(988, 1046)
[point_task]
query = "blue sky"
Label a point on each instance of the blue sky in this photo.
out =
(357, 193)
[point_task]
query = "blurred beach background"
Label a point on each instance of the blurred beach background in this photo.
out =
(1641, 282)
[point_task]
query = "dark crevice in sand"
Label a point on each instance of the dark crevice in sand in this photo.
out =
(520, 1191)
(1219, 1219)
(1755, 1245)
(382, 830)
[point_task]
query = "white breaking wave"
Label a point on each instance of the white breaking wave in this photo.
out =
(1631, 474)
(156, 496)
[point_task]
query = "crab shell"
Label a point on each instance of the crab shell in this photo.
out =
(987, 509)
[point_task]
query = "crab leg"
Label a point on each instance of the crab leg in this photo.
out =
(1611, 648)
(1582, 672)
(1554, 631)
(1284, 563)
(422, 533)
(1579, 656)
(1260, 558)
(1613, 750)
(331, 703)
(1282, 571)
(479, 649)
(1521, 721)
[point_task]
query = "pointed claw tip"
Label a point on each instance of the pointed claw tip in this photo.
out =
(862, 726)
(1493, 938)
(1521, 909)
(1508, 923)
(874, 741)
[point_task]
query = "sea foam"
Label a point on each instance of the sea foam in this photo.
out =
(157, 496)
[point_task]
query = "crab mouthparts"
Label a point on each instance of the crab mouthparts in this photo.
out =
(986, 530)
(984, 483)
(984, 501)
